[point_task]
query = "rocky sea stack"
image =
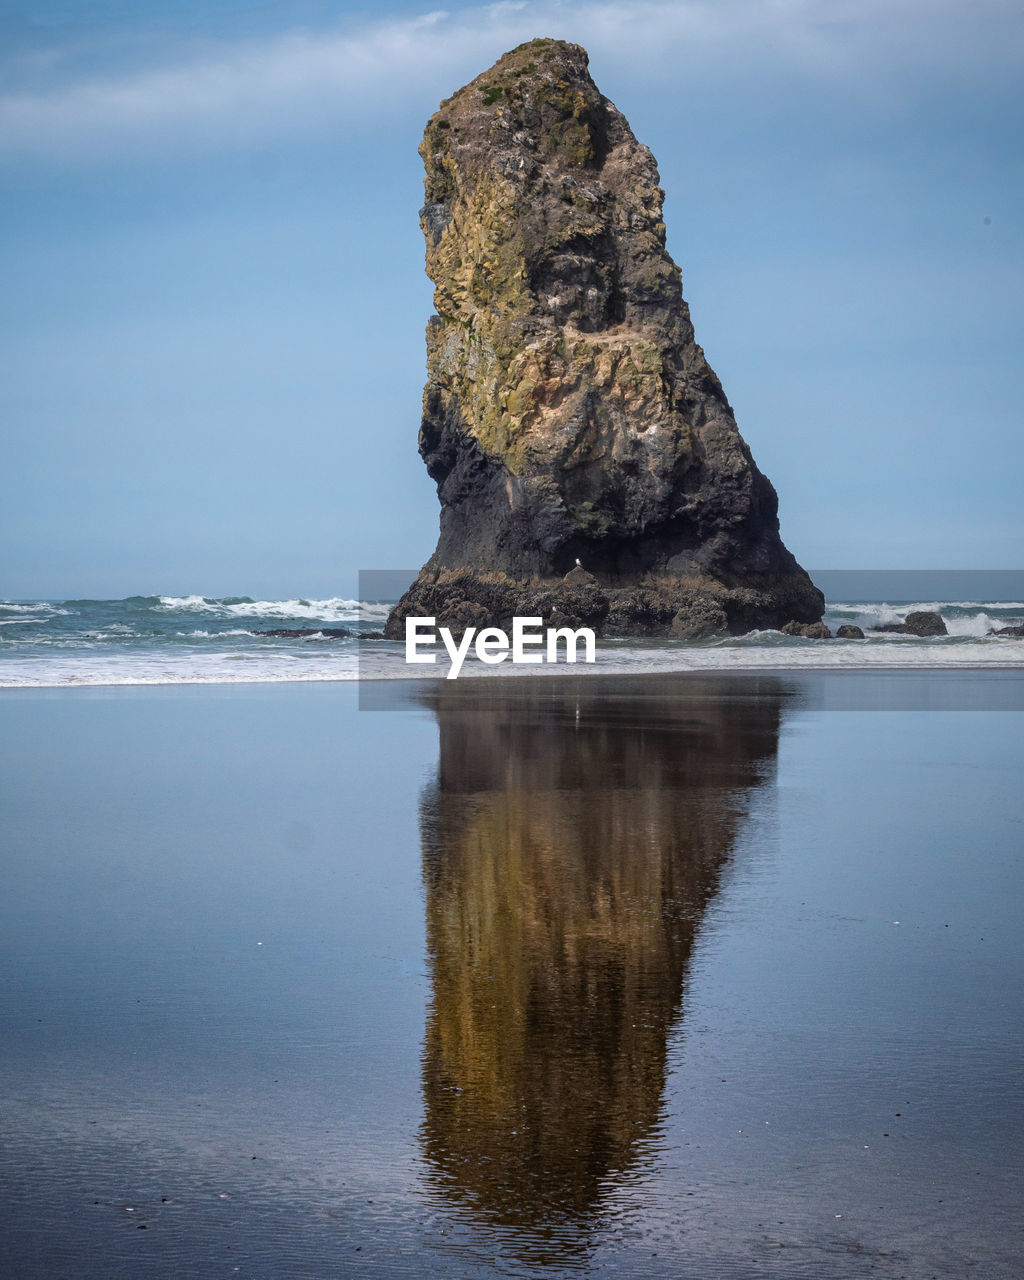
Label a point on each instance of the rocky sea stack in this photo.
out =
(569, 416)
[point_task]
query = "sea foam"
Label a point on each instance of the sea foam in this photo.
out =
(194, 639)
(962, 617)
(336, 609)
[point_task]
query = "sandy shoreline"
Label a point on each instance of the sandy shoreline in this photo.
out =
(595, 968)
(869, 689)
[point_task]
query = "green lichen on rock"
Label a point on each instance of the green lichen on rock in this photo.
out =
(591, 520)
(568, 412)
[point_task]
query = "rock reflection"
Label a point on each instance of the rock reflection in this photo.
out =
(571, 841)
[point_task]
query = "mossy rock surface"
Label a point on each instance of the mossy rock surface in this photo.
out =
(569, 412)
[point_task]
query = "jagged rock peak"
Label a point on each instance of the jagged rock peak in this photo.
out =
(568, 411)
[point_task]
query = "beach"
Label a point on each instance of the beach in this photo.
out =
(466, 811)
(694, 974)
(192, 639)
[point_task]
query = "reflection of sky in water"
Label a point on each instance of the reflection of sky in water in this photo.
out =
(793, 1083)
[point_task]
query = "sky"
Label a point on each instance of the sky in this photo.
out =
(212, 355)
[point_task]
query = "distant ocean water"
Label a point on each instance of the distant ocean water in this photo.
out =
(161, 639)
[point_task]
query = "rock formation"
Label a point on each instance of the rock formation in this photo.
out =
(809, 630)
(569, 416)
(921, 623)
(303, 633)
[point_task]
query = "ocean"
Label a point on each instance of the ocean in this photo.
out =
(194, 639)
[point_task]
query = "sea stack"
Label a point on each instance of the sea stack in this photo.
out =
(587, 461)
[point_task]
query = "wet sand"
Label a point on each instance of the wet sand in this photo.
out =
(662, 976)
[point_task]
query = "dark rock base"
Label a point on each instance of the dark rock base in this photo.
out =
(921, 623)
(688, 608)
(292, 633)
(809, 630)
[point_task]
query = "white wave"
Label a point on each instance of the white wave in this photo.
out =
(889, 653)
(978, 624)
(212, 635)
(246, 631)
(386, 661)
(955, 613)
(933, 606)
(886, 612)
(336, 609)
(172, 667)
(370, 610)
(45, 607)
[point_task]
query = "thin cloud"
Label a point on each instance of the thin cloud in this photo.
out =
(299, 82)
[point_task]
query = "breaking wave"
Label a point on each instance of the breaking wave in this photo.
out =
(975, 618)
(196, 639)
(336, 609)
(41, 608)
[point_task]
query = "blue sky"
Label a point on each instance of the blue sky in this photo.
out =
(214, 298)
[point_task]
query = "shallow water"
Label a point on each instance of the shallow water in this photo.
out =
(674, 976)
(160, 639)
